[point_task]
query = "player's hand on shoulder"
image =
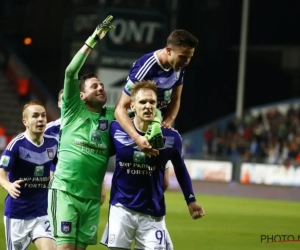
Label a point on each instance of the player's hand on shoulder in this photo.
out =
(145, 147)
(196, 211)
(13, 189)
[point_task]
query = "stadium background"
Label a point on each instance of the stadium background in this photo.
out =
(255, 156)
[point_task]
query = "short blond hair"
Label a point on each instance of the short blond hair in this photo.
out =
(32, 103)
(143, 84)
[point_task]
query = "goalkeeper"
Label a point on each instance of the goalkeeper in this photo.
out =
(84, 149)
(166, 68)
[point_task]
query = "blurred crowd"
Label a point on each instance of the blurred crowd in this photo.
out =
(271, 137)
(4, 139)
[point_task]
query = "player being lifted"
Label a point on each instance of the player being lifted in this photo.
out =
(166, 68)
(137, 204)
(84, 150)
(25, 172)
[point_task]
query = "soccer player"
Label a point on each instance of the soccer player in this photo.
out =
(25, 173)
(166, 68)
(84, 150)
(53, 127)
(137, 204)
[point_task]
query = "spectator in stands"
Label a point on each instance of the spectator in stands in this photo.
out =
(23, 90)
(272, 136)
(2, 139)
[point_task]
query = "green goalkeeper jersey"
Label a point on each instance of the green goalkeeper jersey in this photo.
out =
(84, 145)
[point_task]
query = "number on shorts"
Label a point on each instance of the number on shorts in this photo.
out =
(94, 231)
(47, 223)
(161, 236)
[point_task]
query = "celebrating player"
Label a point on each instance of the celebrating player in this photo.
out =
(137, 205)
(53, 128)
(84, 149)
(25, 172)
(166, 68)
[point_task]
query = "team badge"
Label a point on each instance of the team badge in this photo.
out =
(66, 227)
(103, 125)
(111, 238)
(50, 153)
(4, 161)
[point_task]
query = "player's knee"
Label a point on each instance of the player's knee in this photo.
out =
(69, 246)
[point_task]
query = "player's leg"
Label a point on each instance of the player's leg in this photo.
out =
(121, 227)
(151, 233)
(63, 218)
(87, 227)
(17, 233)
(169, 243)
(41, 234)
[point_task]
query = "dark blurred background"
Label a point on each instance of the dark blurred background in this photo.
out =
(211, 78)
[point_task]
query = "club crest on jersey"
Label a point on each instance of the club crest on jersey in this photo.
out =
(103, 125)
(111, 238)
(66, 227)
(50, 153)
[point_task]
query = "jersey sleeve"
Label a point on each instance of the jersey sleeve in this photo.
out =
(140, 70)
(181, 171)
(71, 102)
(8, 157)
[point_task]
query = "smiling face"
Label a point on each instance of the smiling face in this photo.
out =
(93, 92)
(144, 105)
(179, 57)
(34, 118)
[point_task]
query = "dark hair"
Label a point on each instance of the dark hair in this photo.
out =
(83, 78)
(182, 38)
(143, 84)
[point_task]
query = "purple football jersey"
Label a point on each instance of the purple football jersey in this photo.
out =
(24, 160)
(148, 67)
(138, 180)
(53, 128)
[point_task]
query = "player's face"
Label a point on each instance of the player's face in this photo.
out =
(35, 119)
(144, 105)
(94, 93)
(179, 57)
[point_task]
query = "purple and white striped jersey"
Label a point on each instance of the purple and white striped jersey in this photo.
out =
(148, 67)
(53, 128)
(138, 180)
(24, 160)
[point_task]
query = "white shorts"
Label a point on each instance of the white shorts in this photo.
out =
(20, 233)
(125, 225)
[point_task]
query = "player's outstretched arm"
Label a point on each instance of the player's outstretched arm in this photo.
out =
(71, 74)
(126, 123)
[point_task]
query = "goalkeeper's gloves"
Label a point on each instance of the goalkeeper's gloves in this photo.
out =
(154, 134)
(100, 32)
